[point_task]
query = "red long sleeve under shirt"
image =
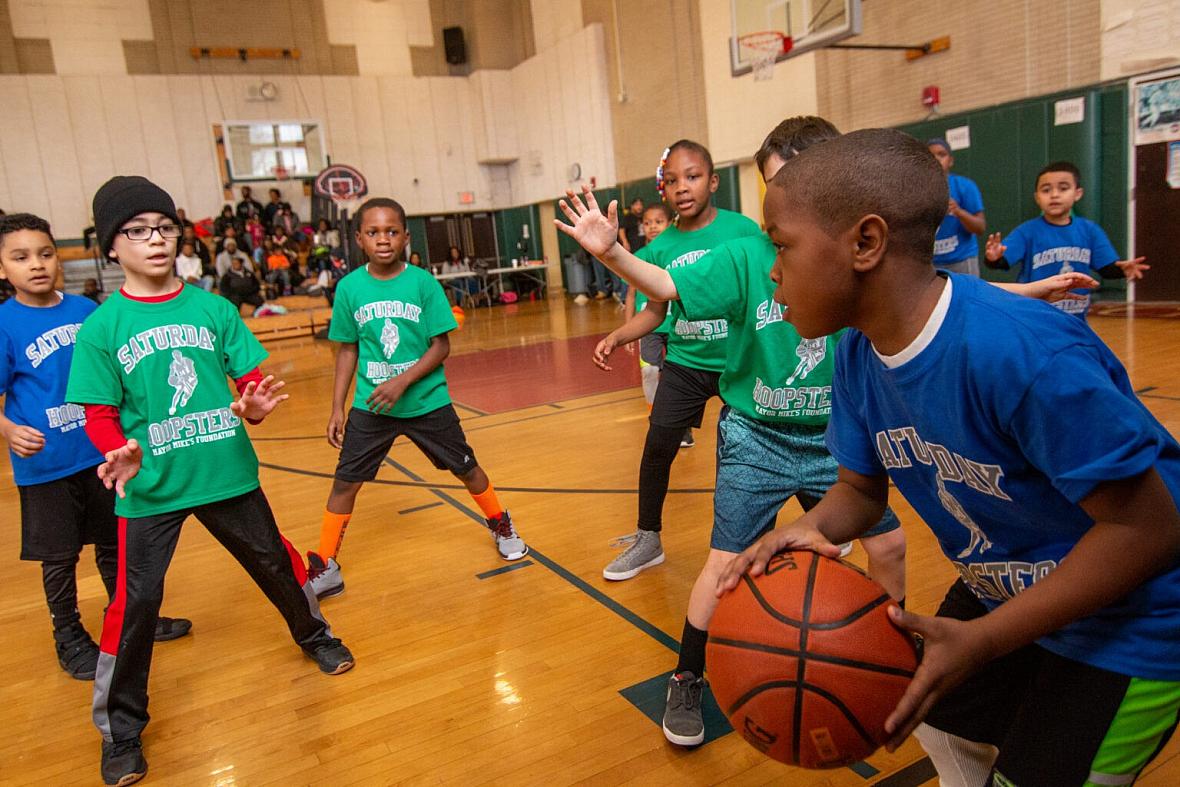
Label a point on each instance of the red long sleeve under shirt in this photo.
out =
(102, 420)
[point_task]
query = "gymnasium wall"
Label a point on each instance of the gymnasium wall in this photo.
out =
(1139, 36)
(1001, 50)
(64, 135)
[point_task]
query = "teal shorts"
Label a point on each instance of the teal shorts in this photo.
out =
(760, 466)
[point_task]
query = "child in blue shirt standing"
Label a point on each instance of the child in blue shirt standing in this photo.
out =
(1059, 242)
(63, 503)
(955, 245)
(1055, 657)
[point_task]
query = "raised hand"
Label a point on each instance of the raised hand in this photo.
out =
(121, 466)
(24, 441)
(952, 650)
(603, 350)
(1057, 288)
(1133, 269)
(798, 535)
(594, 231)
(259, 399)
(994, 250)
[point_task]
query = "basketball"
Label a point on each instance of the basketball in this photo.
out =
(460, 316)
(805, 663)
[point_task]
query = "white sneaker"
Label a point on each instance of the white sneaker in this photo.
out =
(510, 545)
(325, 577)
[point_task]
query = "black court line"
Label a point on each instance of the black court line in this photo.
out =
(555, 405)
(910, 776)
(495, 572)
(1145, 390)
(424, 484)
(1161, 396)
(416, 509)
(478, 413)
(647, 628)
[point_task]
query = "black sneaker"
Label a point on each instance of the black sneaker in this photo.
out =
(76, 653)
(687, 440)
(123, 762)
(172, 628)
(331, 656)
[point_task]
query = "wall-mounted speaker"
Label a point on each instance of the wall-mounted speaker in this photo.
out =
(454, 45)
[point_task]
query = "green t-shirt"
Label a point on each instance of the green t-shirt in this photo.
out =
(771, 373)
(641, 300)
(164, 365)
(392, 322)
(698, 344)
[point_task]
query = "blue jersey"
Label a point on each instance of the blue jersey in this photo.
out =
(1045, 413)
(953, 242)
(36, 347)
(1042, 250)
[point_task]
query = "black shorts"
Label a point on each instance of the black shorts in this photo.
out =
(58, 517)
(1050, 716)
(653, 348)
(682, 396)
(368, 438)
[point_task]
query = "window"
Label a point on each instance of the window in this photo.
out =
(255, 150)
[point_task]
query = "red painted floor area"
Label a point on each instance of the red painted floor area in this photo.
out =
(497, 380)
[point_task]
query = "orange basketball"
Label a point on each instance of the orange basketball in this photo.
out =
(460, 316)
(805, 662)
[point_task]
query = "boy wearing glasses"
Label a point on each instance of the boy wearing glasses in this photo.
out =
(149, 368)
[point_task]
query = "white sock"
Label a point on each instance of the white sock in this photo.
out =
(650, 375)
(959, 762)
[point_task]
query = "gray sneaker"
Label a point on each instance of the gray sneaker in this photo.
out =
(325, 577)
(645, 552)
(683, 724)
(510, 545)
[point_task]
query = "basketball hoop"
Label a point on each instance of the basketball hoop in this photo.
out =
(280, 172)
(761, 50)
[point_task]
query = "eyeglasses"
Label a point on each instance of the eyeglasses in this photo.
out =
(141, 233)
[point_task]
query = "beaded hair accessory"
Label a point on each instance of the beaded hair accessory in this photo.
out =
(660, 171)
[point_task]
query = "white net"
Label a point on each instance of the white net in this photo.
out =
(761, 51)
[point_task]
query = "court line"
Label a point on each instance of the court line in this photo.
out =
(912, 775)
(495, 572)
(1161, 396)
(650, 629)
(416, 509)
(424, 484)
(478, 413)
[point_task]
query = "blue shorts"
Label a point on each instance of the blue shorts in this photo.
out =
(760, 466)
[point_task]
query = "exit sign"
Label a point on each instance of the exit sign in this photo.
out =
(466, 197)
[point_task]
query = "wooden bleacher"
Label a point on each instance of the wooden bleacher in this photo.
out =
(305, 315)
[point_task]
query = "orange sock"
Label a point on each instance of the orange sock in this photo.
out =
(332, 533)
(488, 502)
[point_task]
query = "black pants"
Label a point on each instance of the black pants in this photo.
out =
(680, 403)
(246, 527)
(60, 580)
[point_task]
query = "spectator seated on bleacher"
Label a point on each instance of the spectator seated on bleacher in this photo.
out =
(229, 254)
(231, 233)
(226, 219)
(188, 267)
(190, 236)
(241, 286)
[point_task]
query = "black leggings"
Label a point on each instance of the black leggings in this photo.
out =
(61, 584)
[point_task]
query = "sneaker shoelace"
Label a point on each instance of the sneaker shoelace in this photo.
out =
(624, 541)
(502, 527)
(122, 747)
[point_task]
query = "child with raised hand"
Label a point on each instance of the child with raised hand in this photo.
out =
(696, 348)
(1055, 657)
(149, 368)
(1059, 242)
(63, 503)
(391, 321)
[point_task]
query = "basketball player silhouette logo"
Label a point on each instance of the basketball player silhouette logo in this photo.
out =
(955, 508)
(811, 354)
(182, 376)
(389, 339)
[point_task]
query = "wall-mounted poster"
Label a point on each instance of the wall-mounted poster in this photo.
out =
(1157, 111)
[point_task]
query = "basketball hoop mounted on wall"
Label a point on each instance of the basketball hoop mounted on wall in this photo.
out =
(280, 172)
(762, 50)
(341, 183)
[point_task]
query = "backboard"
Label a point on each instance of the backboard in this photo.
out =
(810, 24)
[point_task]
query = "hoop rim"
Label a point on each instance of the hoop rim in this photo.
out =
(764, 41)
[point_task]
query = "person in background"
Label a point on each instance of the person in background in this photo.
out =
(90, 290)
(956, 247)
(248, 207)
(188, 268)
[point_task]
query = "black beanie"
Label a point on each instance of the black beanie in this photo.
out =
(123, 197)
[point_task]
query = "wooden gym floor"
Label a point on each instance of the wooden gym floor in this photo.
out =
(469, 670)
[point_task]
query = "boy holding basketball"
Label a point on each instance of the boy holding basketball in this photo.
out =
(149, 368)
(392, 321)
(1038, 670)
(1058, 241)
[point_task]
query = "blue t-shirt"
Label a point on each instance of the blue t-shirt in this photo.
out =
(36, 347)
(1044, 413)
(1042, 250)
(953, 242)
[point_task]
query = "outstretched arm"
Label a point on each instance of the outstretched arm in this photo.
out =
(637, 327)
(597, 233)
(1053, 289)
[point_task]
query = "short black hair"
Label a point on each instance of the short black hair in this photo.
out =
(874, 171)
(660, 207)
(636, 199)
(1061, 166)
(15, 222)
(379, 202)
(792, 136)
(695, 147)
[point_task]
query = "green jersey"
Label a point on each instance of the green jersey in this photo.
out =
(392, 322)
(164, 365)
(771, 373)
(698, 344)
(641, 299)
